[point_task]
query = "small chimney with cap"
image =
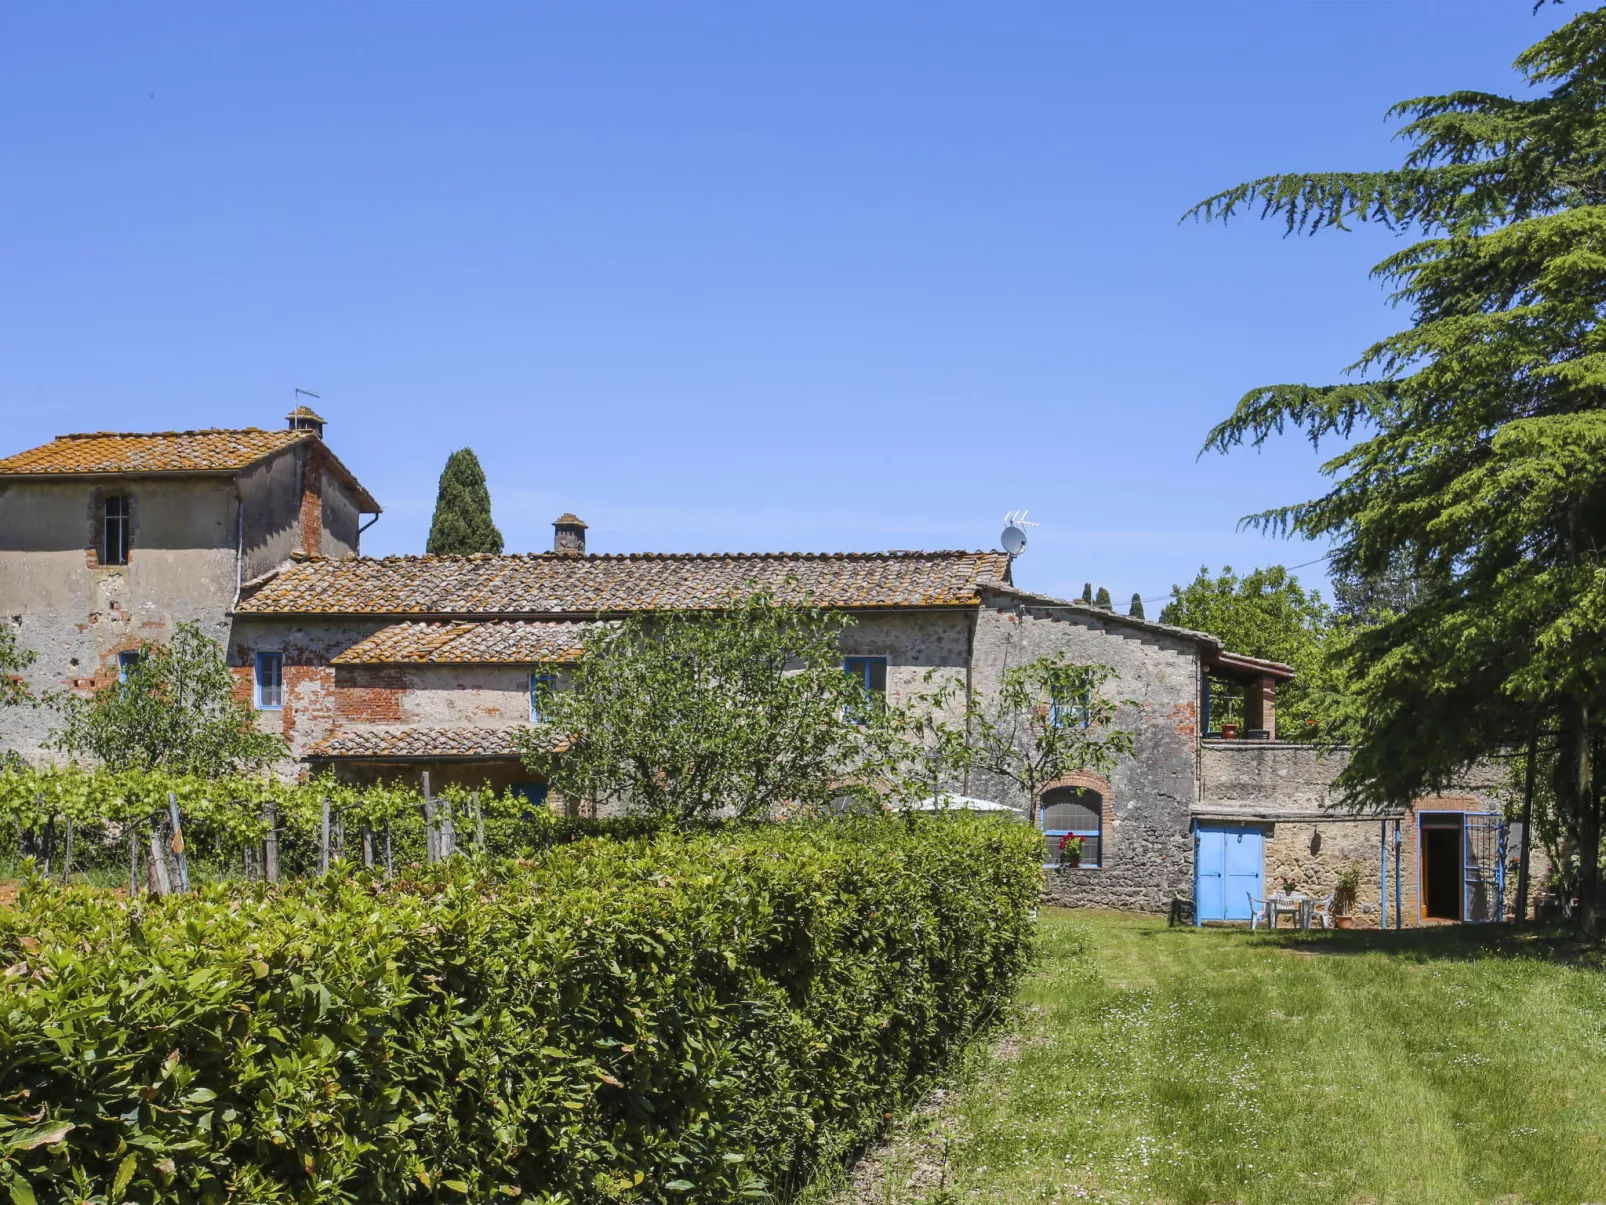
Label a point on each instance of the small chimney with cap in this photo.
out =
(303, 418)
(568, 535)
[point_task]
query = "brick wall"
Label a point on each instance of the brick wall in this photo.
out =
(369, 694)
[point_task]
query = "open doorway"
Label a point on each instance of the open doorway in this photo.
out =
(1441, 872)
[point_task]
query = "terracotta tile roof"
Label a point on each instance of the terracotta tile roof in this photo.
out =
(507, 642)
(211, 450)
(417, 743)
(549, 584)
(158, 452)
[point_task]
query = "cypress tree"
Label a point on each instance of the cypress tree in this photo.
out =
(1103, 600)
(1087, 593)
(1136, 609)
(463, 510)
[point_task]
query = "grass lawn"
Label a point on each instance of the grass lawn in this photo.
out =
(1153, 1064)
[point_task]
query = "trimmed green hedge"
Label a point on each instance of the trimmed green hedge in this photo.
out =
(678, 1018)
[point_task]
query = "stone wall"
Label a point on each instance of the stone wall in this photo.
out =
(914, 642)
(1148, 844)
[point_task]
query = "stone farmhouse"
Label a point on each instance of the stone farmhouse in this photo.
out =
(382, 668)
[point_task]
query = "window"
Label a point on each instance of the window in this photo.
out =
(1225, 703)
(1076, 812)
(114, 531)
(270, 681)
(540, 685)
(125, 662)
(871, 674)
(1069, 705)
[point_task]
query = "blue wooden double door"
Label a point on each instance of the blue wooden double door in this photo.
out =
(1227, 870)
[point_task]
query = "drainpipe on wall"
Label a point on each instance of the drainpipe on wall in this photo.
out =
(239, 544)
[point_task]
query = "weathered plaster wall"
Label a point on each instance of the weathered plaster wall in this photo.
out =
(433, 696)
(311, 703)
(1148, 854)
(340, 518)
(271, 490)
(76, 614)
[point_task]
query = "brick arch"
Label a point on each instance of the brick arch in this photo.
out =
(1092, 782)
(1078, 778)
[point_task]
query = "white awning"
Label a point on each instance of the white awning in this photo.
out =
(960, 803)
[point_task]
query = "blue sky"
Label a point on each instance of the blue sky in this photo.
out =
(717, 276)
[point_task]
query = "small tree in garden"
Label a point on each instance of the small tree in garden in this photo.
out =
(689, 715)
(1135, 607)
(1102, 599)
(1047, 720)
(1087, 592)
(175, 710)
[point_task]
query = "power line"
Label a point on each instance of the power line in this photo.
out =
(1301, 565)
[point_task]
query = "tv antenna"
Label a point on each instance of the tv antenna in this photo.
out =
(309, 393)
(1014, 537)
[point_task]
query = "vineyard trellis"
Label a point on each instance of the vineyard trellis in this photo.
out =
(157, 824)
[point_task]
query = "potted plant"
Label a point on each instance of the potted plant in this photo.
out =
(1229, 732)
(1070, 850)
(1349, 884)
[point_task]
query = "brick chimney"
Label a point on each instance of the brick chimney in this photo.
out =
(311, 518)
(568, 535)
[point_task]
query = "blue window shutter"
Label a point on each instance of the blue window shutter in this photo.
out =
(537, 683)
(270, 681)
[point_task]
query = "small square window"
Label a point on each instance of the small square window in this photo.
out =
(125, 662)
(871, 674)
(540, 685)
(270, 681)
(115, 531)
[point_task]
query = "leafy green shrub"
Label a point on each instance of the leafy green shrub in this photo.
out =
(673, 1018)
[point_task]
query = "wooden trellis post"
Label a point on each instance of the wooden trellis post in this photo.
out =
(323, 840)
(432, 851)
(270, 843)
(479, 822)
(133, 860)
(178, 842)
(66, 856)
(161, 881)
(448, 835)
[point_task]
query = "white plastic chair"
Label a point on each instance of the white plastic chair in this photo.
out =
(1322, 913)
(1260, 911)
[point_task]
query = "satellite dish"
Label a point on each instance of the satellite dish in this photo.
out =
(1014, 537)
